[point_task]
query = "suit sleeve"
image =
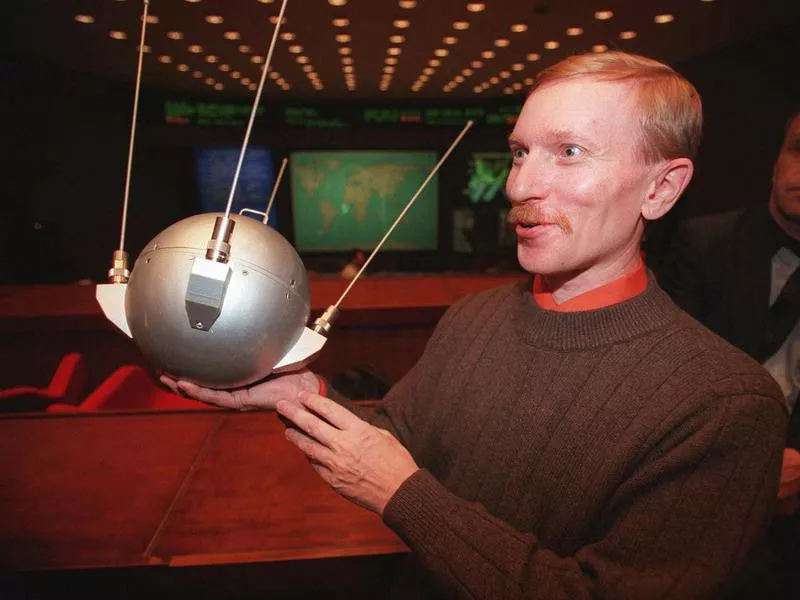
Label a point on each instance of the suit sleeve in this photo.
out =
(793, 436)
(681, 274)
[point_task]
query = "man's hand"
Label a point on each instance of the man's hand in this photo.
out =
(258, 397)
(363, 463)
(789, 490)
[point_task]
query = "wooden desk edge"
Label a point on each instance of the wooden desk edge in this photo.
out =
(192, 560)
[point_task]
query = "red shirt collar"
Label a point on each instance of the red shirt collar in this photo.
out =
(626, 287)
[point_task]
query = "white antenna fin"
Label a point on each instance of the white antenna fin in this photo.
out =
(304, 350)
(111, 298)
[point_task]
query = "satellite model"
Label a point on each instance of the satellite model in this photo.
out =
(219, 299)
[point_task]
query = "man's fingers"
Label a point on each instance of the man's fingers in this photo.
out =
(318, 454)
(170, 383)
(209, 396)
(312, 425)
(335, 414)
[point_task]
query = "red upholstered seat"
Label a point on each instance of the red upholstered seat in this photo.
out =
(66, 387)
(131, 388)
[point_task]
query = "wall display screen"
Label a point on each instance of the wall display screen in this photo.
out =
(214, 170)
(348, 199)
(479, 220)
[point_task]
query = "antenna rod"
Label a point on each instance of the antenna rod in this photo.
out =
(119, 273)
(218, 247)
(265, 215)
(405, 210)
(275, 189)
(255, 107)
(323, 323)
(133, 128)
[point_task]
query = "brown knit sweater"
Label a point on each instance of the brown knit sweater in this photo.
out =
(625, 452)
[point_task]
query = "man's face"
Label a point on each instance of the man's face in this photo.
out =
(577, 184)
(784, 202)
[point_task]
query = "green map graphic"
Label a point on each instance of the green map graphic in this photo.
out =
(344, 200)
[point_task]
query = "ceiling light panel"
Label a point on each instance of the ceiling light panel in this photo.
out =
(456, 45)
(502, 42)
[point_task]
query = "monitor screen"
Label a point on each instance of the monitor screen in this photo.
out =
(348, 199)
(479, 218)
(486, 177)
(214, 170)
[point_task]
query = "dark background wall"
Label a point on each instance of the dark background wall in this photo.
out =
(748, 91)
(66, 135)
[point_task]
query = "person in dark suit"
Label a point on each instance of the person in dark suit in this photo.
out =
(739, 274)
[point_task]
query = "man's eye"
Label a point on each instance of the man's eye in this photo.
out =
(572, 151)
(518, 153)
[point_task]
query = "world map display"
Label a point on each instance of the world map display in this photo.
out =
(344, 200)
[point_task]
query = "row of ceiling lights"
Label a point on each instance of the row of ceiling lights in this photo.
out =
(213, 59)
(244, 49)
(503, 42)
(392, 53)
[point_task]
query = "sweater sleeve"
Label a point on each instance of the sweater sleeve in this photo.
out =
(678, 526)
(410, 399)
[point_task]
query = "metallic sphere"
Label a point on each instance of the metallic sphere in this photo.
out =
(264, 310)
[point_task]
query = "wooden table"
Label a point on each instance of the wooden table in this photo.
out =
(385, 324)
(178, 489)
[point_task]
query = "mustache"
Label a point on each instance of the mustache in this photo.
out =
(533, 214)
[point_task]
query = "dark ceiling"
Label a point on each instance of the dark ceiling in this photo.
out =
(448, 48)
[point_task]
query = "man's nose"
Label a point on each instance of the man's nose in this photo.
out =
(528, 181)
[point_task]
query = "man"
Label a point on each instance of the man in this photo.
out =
(738, 274)
(577, 435)
(351, 269)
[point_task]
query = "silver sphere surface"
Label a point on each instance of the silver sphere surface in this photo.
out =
(265, 308)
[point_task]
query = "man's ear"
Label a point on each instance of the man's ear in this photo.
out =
(666, 187)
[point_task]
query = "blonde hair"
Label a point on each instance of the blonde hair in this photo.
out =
(670, 110)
